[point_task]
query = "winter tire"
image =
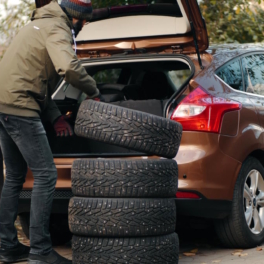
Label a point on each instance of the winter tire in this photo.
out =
(125, 178)
(148, 250)
(128, 128)
(118, 217)
(244, 227)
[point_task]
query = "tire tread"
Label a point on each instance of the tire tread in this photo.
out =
(124, 178)
(128, 128)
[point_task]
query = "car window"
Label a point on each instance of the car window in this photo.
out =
(178, 77)
(107, 76)
(232, 75)
(100, 4)
(254, 73)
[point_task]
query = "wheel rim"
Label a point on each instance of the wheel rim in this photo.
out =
(254, 201)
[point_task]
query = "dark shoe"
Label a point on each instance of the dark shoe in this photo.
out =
(52, 258)
(16, 254)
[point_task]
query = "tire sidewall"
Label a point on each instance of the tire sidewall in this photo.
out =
(249, 165)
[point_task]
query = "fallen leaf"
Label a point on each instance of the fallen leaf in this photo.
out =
(189, 254)
(259, 249)
(239, 254)
(194, 250)
(236, 253)
(239, 250)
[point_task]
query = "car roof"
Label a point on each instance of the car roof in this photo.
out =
(222, 53)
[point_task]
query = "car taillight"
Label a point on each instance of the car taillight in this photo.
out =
(187, 195)
(200, 111)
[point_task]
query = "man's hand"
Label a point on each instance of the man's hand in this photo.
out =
(62, 127)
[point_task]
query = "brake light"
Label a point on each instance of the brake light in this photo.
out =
(187, 195)
(200, 111)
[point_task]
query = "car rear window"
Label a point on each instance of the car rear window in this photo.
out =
(178, 77)
(106, 9)
(104, 3)
(107, 76)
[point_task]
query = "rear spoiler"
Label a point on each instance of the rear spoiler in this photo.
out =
(129, 10)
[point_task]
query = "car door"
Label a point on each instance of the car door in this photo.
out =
(253, 69)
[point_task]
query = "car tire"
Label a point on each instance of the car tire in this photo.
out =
(124, 178)
(234, 231)
(122, 217)
(59, 230)
(128, 128)
(147, 250)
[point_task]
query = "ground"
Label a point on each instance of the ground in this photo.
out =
(203, 247)
(197, 246)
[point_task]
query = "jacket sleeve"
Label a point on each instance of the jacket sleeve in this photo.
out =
(51, 112)
(66, 63)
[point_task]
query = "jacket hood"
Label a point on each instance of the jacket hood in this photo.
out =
(51, 10)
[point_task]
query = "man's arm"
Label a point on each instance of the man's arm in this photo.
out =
(51, 112)
(66, 63)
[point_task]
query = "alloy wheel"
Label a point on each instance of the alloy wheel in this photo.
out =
(254, 201)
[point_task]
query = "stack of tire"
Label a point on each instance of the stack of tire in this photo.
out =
(124, 210)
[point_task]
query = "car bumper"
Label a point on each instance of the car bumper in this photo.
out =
(204, 168)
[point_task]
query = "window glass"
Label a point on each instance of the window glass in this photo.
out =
(107, 3)
(178, 77)
(254, 73)
(232, 75)
(107, 76)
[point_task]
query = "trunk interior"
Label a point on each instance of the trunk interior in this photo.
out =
(144, 85)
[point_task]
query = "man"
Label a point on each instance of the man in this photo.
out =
(41, 52)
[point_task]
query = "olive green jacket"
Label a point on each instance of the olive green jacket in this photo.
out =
(38, 57)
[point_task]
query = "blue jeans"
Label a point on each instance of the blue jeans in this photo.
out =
(24, 144)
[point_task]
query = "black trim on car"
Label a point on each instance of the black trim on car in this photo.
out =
(205, 208)
(60, 204)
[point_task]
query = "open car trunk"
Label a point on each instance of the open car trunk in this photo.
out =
(144, 83)
(142, 26)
